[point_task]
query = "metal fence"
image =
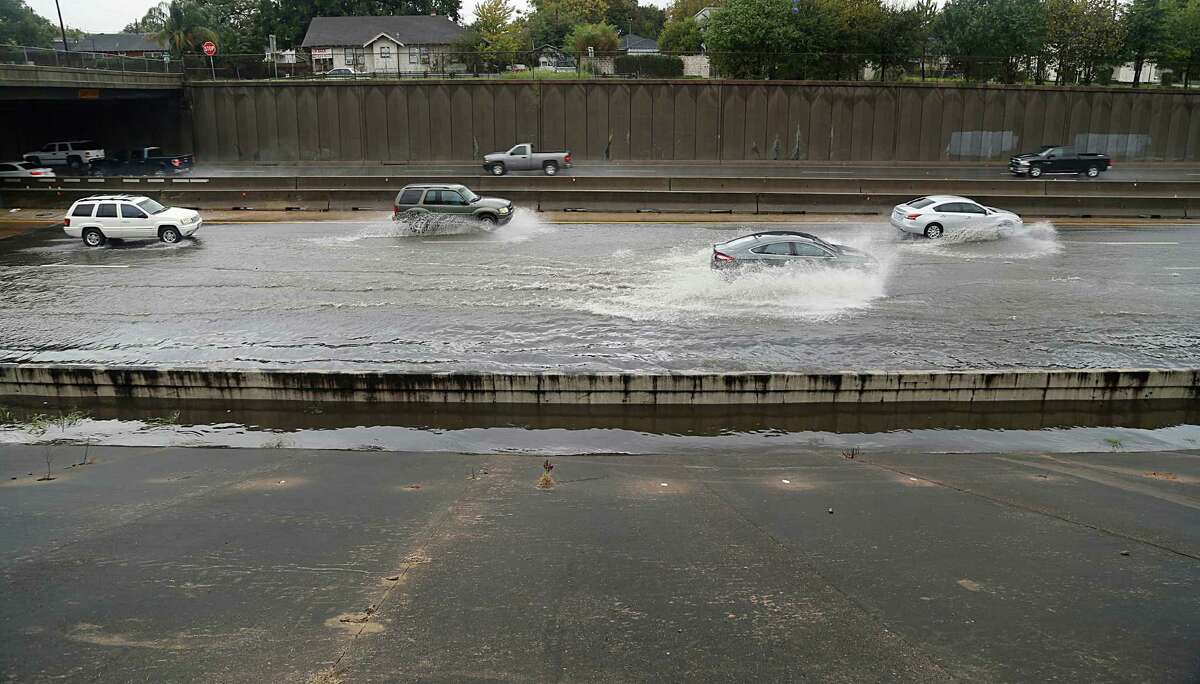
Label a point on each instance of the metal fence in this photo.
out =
(46, 57)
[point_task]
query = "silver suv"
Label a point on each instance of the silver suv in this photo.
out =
(786, 247)
(414, 201)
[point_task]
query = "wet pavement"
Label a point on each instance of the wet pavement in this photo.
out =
(627, 297)
(209, 565)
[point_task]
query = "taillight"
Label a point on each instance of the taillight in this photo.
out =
(913, 216)
(395, 210)
(66, 221)
(177, 163)
(567, 158)
(721, 256)
(37, 173)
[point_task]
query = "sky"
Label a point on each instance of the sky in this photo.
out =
(110, 16)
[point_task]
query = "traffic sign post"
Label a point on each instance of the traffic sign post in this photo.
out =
(210, 49)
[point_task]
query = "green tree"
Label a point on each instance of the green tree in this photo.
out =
(681, 37)
(687, 9)
(552, 20)
(988, 39)
(187, 26)
(630, 17)
(777, 39)
(499, 37)
(1083, 39)
(151, 22)
(1145, 32)
(1182, 51)
(600, 37)
(20, 25)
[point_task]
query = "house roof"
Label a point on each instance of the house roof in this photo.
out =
(633, 41)
(358, 31)
(116, 42)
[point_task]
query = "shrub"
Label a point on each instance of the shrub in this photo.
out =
(650, 66)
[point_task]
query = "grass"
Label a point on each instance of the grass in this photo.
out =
(1114, 443)
(171, 418)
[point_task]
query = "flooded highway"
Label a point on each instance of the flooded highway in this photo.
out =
(622, 297)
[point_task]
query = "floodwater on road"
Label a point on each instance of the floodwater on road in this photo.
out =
(622, 297)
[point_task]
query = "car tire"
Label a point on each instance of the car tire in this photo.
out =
(933, 231)
(169, 234)
(1092, 172)
(92, 237)
(487, 220)
(498, 170)
(550, 168)
(1035, 172)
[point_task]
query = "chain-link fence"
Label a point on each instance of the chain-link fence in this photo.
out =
(339, 63)
(47, 57)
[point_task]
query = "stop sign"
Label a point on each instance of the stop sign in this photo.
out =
(210, 48)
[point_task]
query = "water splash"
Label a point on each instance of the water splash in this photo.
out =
(683, 287)
(1030, 241)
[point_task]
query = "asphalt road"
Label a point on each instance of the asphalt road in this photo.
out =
(276, 565)
(623, 297)
(992, 171)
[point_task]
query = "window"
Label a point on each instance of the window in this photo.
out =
(83, 210)
(106, 211)
(946, 208)
(445, 198)
(8, 167)
(968, 208)
(424, 55)
(150, 206)
(25, 165)
(63, 147)
(777, 249)
(131, 212)
(519, 150)
(805, 249)
(385, 52)
(410, 197)
(920, 203)
(412, 55)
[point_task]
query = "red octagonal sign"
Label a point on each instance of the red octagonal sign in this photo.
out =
(210, 48)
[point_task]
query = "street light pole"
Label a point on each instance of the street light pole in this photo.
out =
(62, 27)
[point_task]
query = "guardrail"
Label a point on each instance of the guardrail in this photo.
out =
(75, 59)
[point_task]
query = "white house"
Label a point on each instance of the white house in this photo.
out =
(398, 44)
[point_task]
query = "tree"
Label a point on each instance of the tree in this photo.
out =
(498, 38)
(552, 20)
(186, 27)
(20, 25)
(687, 9)
(600, 37)
(1145, 31)
(151, 22)
(681, 37)
(630, 17)
(989, 39)
(1183, 39)
(1083, 38)
(777, 39)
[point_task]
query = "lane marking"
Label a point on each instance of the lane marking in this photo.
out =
(83, 266)
(1121, 244)
(1181, 268)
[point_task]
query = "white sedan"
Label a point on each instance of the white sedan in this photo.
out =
(936, 215)
(24, 170)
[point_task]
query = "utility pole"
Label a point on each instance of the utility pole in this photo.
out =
(62, 27)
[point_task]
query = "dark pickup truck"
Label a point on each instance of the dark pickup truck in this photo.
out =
(1058, 159)
(143, 161)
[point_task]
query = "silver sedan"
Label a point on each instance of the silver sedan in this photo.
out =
(937, 215)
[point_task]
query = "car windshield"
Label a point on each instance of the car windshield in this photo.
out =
(920, 203)
(151, 207)
(471, 197)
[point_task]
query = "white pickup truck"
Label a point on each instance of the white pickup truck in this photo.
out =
(76, 153)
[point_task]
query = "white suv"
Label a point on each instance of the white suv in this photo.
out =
(74, 153)
(100, 217)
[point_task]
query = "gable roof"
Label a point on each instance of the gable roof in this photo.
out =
(358, 31)
(633, 41)
(116, 42)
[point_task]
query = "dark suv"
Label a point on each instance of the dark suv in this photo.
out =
(450, 199)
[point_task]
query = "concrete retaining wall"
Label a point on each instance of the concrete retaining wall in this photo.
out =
(69, 382)
(682, 120)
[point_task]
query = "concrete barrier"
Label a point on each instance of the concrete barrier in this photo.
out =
(75, 382)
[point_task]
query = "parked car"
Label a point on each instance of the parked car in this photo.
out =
(144, 161)
(786, 247)
(76, 153)
(1057, 159)
(936, 215)
(522, 157)
(98, 218)
(414, 201)
(24, 170)
(343, 72)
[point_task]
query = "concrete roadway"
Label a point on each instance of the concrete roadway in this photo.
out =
(273, 565)
(986, 171)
